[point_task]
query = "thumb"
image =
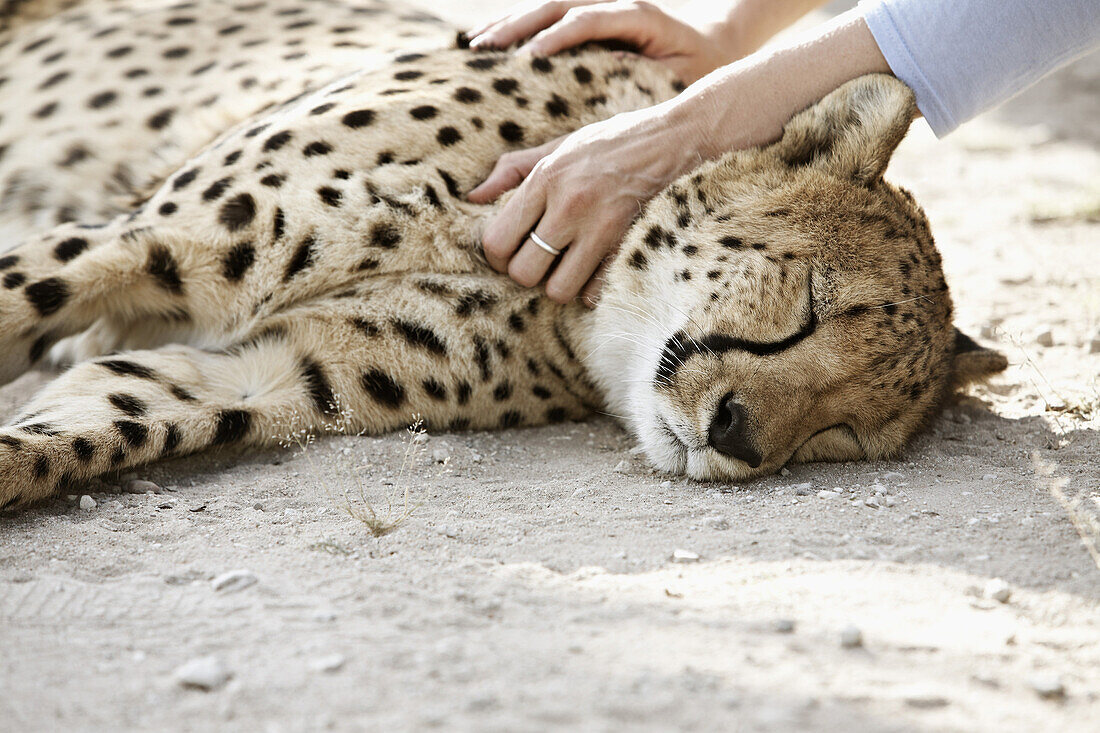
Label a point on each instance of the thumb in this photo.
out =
(510, 171)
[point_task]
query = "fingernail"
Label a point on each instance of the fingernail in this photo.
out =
(477, 41)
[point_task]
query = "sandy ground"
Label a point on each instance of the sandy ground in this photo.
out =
(532, 588)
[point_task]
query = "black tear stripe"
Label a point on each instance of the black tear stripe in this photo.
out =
(681, 347)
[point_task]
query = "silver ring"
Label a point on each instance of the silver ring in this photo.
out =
(542, 243)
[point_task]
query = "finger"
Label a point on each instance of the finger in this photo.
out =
(530, 264)
(575, 269)
(509, 228)
(581, 25)
(590, 295)
(522, 25)
(510, 170)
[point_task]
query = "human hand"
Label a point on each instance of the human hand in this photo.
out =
(579, 194)
(560, 24)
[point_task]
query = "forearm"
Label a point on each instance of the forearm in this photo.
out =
(748, 102)
(745, 25)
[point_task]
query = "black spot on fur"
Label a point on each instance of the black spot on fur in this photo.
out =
(129, 404)
(449, 181)
(358, 118)
(808, 152)
(181, 394)
(232, 157)
(215, 190)
(273, 180)
(434, 389)
(70, 248)
(582, 74)
(483, 63)
(541, 64)
(84, 449)
(383, 388)
(322, 108)
(47, 296)
(13, 280)
(135, 434)
(238, 212)
(731, 242)
(278, 224)
(164, 269)
(638, 260)
(557, 107)
(161, 119)
(385, 236)
(502, 391)
(38, 348)
(171, 438)
(464, 391)
(511, 419)
(481, 356)
(102, 99)
(477, 300)
(466, 95)
(303, 258)
(505, 86)
(408, 57)
(8, 261)
(555, 414)
(541, 392)
(236, 261)
(318, 387)
(329, 195)
(423, 112)
(448, 136)
(232, 426)
(511, 132)
(277, 141)
(315, 148)
(184, 179)
(421, 336)
(126, 368)
(433, 197)
(41, 467)
(167, 208)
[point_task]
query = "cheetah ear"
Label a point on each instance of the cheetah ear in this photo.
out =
(973, 362)
(852, 132)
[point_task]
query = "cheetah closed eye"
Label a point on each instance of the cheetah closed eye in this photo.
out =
(244, 221)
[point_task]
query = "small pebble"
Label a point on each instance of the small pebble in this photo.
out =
(1045, 338)
(851, 637)
(1047, 686)
(718, 523)
(890, 501)
(323, 615)
(926, 701)
(87, 503)
(233, 581)
(475, 457)
(141, 486)
(827, 494)
(684, 556)
(441, 455)
(448, 531)
(871, 502)
(784, 472)
(1094, 345)
(989, 477)
(998, 590)
(329, 663)
(666, 484)
(420, 439)
(783, 626)
(203, 673)
(803, 489)
(622, 467)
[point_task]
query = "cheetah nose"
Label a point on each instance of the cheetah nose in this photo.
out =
(727, 433)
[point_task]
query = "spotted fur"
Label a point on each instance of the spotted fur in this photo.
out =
(257, 210)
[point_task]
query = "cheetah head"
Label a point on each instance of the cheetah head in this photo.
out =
(784, 303)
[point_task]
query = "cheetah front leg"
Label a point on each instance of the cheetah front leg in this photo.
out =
(457, 351)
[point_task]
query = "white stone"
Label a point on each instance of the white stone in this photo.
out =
(783, 626)
(87, 503)
(851, 637)
(871, 502)
(803, 489)
(233, 581)
(622, 467)
(1045, 338)
(998, 590)
(989, 477)
(684, 556)
(448, 531)
(141, 486)
(441, 455)
(827, 494)
(329, 663)
(890, 501)
(784, 472)
(203, 673)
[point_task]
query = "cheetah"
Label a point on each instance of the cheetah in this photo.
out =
(234, 222)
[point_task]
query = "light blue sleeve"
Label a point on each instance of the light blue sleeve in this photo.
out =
(962, 57)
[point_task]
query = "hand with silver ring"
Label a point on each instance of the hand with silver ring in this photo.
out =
(542, 243)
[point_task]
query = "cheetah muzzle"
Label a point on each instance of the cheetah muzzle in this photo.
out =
(239, 223)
